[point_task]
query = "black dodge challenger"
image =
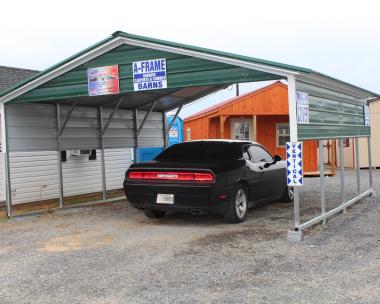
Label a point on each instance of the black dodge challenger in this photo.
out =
(209, 176)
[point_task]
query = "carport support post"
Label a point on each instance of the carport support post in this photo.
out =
(357, 164)
(296, 234)
(322, 179)
(164, 129)
(4, 143)
(103, 163)
(137, 151)
(370, 162)
(341, 164)
(60, 175)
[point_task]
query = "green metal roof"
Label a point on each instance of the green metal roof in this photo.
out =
(200, 71)
(213, 52)
(164, 43)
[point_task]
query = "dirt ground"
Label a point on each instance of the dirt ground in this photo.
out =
(111, 253)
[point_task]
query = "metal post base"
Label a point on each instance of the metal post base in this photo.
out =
(294, 236)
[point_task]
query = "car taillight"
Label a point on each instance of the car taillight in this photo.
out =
(174, 176)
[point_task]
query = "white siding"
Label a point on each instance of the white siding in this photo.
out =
(2, 182)
(34, 175)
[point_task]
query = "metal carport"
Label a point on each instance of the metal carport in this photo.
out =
(53, 110)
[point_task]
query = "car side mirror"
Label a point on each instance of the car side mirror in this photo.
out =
(276, 158)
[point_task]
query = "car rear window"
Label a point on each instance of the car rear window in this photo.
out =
(201, 151)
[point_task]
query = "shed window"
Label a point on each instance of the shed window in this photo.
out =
(282, 134)
(188, 134)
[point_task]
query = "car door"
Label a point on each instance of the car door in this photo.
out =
(271, 184)
(253, 174)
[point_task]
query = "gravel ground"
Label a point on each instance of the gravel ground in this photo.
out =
(112, 254)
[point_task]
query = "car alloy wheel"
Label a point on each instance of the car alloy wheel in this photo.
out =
(241, 203)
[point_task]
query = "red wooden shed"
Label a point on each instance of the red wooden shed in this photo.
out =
(261, 116)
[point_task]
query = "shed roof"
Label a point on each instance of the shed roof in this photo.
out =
(9, 76)
(231, 101)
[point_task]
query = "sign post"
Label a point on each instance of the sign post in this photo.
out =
(294, 164)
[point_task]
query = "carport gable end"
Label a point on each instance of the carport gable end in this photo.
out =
(187, 66)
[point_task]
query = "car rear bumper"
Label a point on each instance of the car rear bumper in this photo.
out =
(187, 198)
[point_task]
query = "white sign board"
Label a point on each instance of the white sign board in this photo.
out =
(149, 75)
(367, 118)
(302, 108)
(173, 132)
(294, 171)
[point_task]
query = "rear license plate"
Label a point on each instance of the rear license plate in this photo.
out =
(165, 199)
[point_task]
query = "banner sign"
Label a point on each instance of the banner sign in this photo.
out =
(149, 75)
(302, 108)
(367, 118)
(103, 80)
(173, 132)
(294, 169)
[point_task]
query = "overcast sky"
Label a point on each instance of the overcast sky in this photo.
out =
(339, 38)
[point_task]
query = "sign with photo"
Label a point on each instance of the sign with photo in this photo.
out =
(294, 169)
(103, 80)
(302, 108)
(149, 74)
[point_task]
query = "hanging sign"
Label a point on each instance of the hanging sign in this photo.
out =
(149, 75)
(294, 169)
(173, 132)
(103, 80)
(367, 118)
(302, 108)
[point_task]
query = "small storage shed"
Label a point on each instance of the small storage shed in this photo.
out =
(175, 136)
(261, 115)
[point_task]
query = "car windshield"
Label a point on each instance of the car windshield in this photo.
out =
(202, 151)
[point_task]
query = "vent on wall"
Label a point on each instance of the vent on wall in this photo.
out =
(78, 152)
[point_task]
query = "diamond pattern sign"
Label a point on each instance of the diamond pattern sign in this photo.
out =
(294, 170)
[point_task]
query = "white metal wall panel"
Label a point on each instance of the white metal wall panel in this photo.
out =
(34, 175)
(117, 162)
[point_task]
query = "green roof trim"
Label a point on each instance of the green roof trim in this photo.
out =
(213, 52)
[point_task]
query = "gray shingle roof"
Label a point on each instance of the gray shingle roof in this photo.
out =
(9, 76)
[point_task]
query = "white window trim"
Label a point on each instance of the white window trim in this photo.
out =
(277, 136)
(234, 120)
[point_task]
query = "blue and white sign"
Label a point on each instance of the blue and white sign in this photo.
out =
(173, 132)
(294, 164)
(302, 108)
(367, 118)
(149, 75)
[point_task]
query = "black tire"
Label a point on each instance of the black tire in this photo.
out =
(237, 208)
(151, 213)
(287, 195)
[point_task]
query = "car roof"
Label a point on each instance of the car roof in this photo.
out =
(221, 141)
